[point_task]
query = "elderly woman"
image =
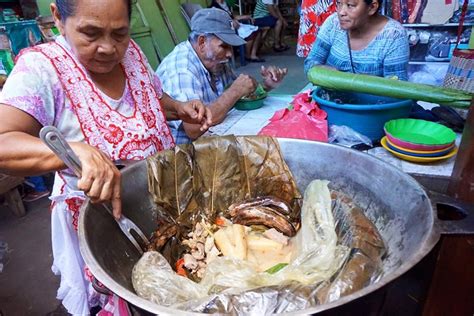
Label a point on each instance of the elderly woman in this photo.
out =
(360, 40)
(94, 84)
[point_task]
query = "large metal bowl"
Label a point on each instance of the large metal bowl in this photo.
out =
(394, 201)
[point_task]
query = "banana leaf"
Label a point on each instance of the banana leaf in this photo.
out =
(219, 176)
(170, 179)
(202, 180)
(268, 174)
(338, 80)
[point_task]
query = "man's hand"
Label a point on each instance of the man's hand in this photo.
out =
(236, 24)
(272, 76)
(195, 112)
(244, 85)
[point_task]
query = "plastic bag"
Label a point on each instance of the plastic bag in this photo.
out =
(429, 74)
(305, 120)
(346, 136)
(317, 258)
(245, 30)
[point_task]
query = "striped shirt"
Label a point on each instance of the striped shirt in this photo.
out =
(185, 78)
(261, 9)
(386, 55)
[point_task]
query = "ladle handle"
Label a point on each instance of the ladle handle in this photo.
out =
(57, 143)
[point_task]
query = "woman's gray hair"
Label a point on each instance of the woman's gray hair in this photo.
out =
(193, 36)
(67, 8)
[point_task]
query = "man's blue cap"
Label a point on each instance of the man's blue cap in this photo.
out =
(218, 22)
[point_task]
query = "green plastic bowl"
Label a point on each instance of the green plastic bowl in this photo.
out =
(420, 132)
(252, 104)
(247, 105)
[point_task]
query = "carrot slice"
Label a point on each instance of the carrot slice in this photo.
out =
(180, 267)
(220, 221)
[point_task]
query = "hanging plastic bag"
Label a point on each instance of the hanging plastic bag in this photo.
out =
(304, 120)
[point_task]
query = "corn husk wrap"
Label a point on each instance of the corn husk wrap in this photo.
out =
(228, 169)
(344, 81)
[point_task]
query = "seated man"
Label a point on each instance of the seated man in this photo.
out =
(198, 69)
(267, 15)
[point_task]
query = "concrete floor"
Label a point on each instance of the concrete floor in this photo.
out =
(27, 284)
(294, 81)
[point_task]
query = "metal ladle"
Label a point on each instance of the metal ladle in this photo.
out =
(51, 136)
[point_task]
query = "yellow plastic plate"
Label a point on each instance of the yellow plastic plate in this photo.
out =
(383, 142)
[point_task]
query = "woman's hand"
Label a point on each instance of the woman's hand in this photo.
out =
(100, 180)
(195, 112)
(272, 76)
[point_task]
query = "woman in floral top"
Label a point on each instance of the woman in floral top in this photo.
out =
(94, 84)
(313, 15)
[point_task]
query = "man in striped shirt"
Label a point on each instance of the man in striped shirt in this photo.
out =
(267, 15)
(198, 69)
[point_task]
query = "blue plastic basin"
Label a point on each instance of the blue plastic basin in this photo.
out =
(364, 113)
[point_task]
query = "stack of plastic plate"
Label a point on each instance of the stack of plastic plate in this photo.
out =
(419, 140)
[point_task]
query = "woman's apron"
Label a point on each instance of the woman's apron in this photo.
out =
(121, 137)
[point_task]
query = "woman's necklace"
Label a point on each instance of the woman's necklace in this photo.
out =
(350, 51)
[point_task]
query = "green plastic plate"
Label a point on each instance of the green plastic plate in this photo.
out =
(420, 131)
